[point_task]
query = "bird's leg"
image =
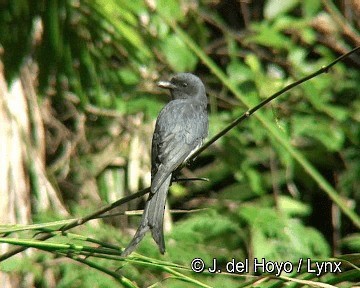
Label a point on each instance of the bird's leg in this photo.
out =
(190, 162)
(175, 177)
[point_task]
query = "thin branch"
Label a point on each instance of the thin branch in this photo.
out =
(80, 221)
(342, 22)
(247, 114)
(120, 278)
(191, 179)
(270, 127)
(251, 111)
(139, 212)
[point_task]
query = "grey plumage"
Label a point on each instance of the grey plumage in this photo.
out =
(180, 129)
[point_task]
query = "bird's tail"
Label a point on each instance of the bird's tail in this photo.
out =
(152, 219)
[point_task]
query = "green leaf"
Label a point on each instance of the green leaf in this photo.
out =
(269, 37)
(311, 7)
(238, 72)
(196, 233)
(171, 9)
(109, 12)
(276, 237)
(329, 134)
(255, 181)
(254, 63)
(274, 8)
(128, 76)
(143, 103)
(337, 112)
(293, 207)
(352, 241)
(308, 35)
(178, 55)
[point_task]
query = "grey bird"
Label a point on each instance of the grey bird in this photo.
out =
(180, 129)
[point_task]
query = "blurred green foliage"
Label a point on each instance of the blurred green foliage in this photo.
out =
(109, 54)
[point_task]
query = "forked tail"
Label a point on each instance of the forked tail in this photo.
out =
(152, 219)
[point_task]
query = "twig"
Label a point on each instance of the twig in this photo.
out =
(80, 221)
(96, 214)
(121, 201)
(342, 22)
(251, 111)
(281, 138)
(191, 179)
(139, 212)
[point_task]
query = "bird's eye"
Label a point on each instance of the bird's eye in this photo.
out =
(184, 84)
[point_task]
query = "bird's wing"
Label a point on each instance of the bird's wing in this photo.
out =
(180, 128)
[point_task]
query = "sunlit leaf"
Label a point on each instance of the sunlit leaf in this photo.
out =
(273, 8)
(178, 55)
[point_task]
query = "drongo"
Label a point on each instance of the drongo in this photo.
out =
(180, 129)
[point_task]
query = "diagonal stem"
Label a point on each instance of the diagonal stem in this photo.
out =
(234, 123)
(251, 111)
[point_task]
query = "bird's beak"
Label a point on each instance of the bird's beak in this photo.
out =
(166, 85)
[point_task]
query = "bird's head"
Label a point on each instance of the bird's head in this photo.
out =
(184, 86)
